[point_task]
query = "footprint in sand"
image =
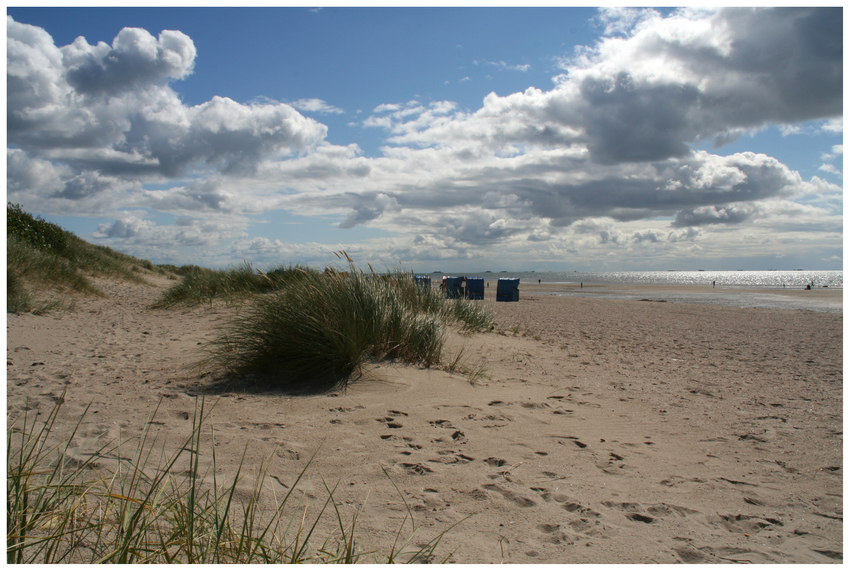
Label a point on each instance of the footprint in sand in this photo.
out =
(623, 506)
(534, 405)
(634, 511)
(457, 437)
(287, 454)
(613, 464)
(390, 421)
(451, 457)
(570, 440)
(416, 469)
(553, 534)
(340, 409)
(521, 501)
(476, 494)
(690, 555)
(748, 524)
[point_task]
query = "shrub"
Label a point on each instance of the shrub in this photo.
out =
(34, 230)
(321, 329)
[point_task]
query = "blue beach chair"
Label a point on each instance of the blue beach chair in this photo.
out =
(507, 289)
(454, 287)
(474, 288)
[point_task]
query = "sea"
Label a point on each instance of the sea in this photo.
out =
(732, 288)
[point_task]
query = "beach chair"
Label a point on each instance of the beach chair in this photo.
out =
(507, 289)
(422, 280)
(453, 287)
(474, 288)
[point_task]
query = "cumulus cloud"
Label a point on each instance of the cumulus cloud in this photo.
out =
(135, 59)
(603, 159)
(110, 109)
(672, 82)
(614, 138)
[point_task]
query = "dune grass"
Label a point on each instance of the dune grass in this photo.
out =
(42, 257)
(203, 285)
(322, 328)
(63, 509)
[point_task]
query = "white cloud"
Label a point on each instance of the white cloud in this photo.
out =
(509, 67)
(832, 169)
(601, 163)
(109, 109)
(135, 59)
(834, 125)
(316, 106)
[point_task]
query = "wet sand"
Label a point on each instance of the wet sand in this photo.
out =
(600, 430)
(817, 299)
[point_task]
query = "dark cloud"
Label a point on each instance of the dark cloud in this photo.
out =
(630, 123)
(84, 185)
(768, 65)
(360, 215)
(713, 215)
(135, 59)
(793, 56)
(367, 207)
(672, 82)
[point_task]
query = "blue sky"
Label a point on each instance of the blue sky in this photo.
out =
(464, 139)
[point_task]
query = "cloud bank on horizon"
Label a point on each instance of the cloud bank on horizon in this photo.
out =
(616, 166)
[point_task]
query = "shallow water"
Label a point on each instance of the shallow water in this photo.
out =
(729, 298)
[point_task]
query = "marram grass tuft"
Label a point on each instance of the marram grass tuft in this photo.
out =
(322, 328)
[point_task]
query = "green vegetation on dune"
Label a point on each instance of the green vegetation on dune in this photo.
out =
(41, 256)
(301, 325)
(315, 329)
(67, 507)
(322, 328)
(203, 285)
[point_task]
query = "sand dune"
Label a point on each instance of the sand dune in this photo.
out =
(604, 431)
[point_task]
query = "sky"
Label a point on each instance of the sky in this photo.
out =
(434, 139)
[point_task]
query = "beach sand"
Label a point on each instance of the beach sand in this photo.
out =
(601, 430)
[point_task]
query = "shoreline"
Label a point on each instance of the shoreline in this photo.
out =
(829, 300)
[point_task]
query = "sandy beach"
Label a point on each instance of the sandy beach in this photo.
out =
(585, 430)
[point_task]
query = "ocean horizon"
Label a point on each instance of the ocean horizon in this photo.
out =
(756, 279)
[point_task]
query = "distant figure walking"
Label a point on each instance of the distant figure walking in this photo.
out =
(713, 283)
